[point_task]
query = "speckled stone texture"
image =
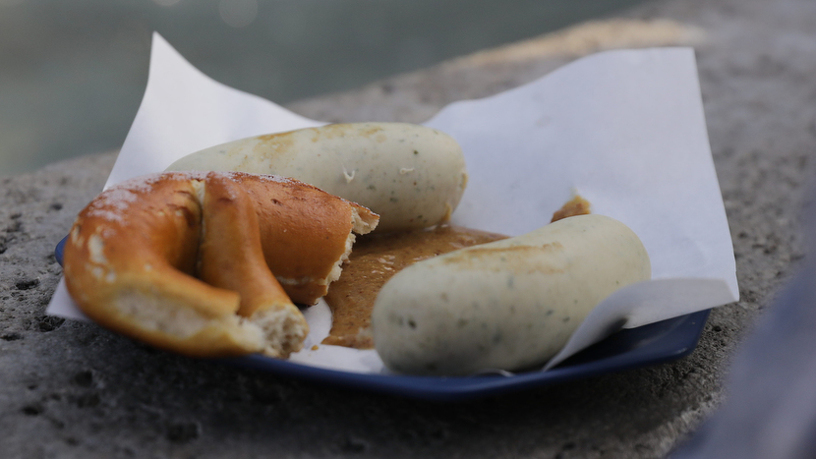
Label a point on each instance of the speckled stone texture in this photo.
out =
(73, 390)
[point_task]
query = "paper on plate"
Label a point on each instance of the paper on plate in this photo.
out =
(624, 129)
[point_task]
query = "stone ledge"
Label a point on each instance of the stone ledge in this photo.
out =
(75, 390)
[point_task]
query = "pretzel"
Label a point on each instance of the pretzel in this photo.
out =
(185, 260)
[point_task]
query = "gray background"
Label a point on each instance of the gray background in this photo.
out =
(72, 73)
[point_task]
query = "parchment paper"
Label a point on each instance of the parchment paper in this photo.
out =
(624, 129)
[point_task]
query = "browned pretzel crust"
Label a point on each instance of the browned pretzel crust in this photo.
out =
(185, 260)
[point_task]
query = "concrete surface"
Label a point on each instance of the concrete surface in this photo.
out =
(75, 390)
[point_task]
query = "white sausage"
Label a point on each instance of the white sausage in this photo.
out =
(509, 304)
(413, 176)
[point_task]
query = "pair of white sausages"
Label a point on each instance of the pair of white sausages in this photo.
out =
(509, 305)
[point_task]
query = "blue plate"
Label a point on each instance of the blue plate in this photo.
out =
(627, 349)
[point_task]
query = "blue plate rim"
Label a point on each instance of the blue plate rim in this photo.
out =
(665, 341)
(680, 342)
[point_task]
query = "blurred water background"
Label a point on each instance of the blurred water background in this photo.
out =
(72, 73)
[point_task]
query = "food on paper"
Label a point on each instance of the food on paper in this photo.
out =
(133, 252)
(445, 300)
